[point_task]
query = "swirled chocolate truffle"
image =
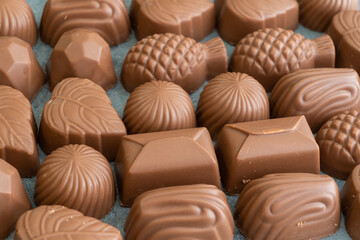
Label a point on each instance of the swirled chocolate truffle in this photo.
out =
(158, 106)
(78, 177)
(231, 98)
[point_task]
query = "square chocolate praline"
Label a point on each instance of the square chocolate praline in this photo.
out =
(250, 150)
(162, 159)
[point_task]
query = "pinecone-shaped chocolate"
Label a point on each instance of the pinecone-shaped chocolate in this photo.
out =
(268, 54)
(174, 58)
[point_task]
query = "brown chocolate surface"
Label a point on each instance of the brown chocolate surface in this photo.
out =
(80, 112)
(109, 18)
(81, 53)
(250, 150)
(271, 53)
(190, 18)
(182, 212)
(153, 160)
(230, 98)
(58, 222)
(289, 206)
(174, 58)
(158, 106)
(318, 94)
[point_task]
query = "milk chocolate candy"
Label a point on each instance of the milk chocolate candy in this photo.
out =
(81, 53)
(318, 94)
(250, 150)
(230, 98)
(183, 212)
(338, 140)
(289, 206)
(17, 132)
(109, 18)
(17, 20)
(158, 106)
(154, 160)
(78, 177)
(317, 14)
(174, 58)
(59, 222)
(190, 18)
(252, 15)
(19, 67)
(268, 54)
(80, 112)
(13, 198)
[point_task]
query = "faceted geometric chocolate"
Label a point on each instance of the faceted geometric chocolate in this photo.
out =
(77, 177)
(231, 98)
(80, 112)
(81, 53)
(269, 54)
(318, 94)
(109, 18)
(17, 132)
(17, 20)
(158, 106)
(300, 205)
(173, 58)
(250, 150)
(339, 144)
(19, 67)
(13, 198)
(154, 160)
(237, 18)
(183, 212)
(317, 14)
(59, 222)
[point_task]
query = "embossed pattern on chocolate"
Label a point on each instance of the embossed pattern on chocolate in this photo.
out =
(271, 53)
(184, 212)
(109, 18)
(300, 205)
(318, 94)
(174, 58)
(58, 222)
(158, 106)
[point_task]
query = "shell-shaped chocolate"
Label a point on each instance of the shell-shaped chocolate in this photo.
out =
(173, 58)
(231, 98)
(77, 177)
(183, 212)
(109, 18)
(318, 94)
(158, 106)
(338, 140)
(317, 14)
(17, 20)
(289, 205)
(59, 222)
(268, 54)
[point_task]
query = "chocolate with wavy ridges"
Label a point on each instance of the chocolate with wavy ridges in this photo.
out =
(231, 98)
(269, 54)
(59, 222)
(317, 14)
(318, 94)
(80, 112)
(252, 15)
(289, 205)
(77, 177)
(109, 18)
(184, 212)
(173, 58)
(191, 18)
(158, 106)
(17, 20)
